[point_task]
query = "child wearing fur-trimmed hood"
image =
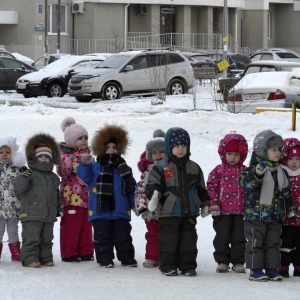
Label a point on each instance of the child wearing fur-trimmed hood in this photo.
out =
(111, 196)
(11, 160)
(76, 233)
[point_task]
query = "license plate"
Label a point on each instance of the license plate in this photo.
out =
(254, 96)
(22, 86)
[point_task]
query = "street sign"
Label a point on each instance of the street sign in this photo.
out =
(40, 9)
(222, 65)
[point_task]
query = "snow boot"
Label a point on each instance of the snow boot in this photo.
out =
(258, 275)
(15, 251)
(273, 275)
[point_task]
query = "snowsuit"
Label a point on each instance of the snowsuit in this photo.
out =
(225, 193)
(76, 237)
(40, 203)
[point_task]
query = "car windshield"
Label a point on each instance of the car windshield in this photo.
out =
(114, 61)
(286, 55)
(201, 58)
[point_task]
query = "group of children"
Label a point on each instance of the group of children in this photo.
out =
(254, 209)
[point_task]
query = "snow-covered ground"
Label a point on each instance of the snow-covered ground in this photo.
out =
(206, 125)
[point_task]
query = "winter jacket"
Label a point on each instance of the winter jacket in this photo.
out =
(123, 203)
(282, 203)
(223, 181)
(9, 203)
(72, 189)
(39, 192)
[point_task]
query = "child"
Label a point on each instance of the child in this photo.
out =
(290, 236)
(10, 162)
(111, 196)
(227, 204)
(40, 200)
(155, 151)
(176, 186)
(267, 201)
(76, 237)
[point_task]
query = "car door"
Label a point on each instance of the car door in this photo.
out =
(137, 79)
(13, 70)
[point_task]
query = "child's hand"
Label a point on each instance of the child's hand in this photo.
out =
(214, 210)
(24, 171)
(87, 159)
(153, 202)
(261, 168)
(204, 211)
(292, 216)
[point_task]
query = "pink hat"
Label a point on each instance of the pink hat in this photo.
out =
(72, 131)
(295, 151)
(235, 146)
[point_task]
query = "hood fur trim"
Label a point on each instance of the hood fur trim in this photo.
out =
(42, 138)
(110, 133)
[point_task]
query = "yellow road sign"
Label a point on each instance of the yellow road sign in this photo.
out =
(222, 65)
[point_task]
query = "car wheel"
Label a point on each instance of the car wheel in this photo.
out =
(176, 87)
(26, 95)
(55, 89)
(83, 99)
(111, 91)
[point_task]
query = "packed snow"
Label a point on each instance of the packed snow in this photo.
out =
(207, 122)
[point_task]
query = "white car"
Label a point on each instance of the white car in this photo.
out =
(266, 89)
(52, 80)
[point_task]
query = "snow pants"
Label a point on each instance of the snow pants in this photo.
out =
(76, 233)
(263, 242)
(12, 227)
(229, 242)
(36, 242)
(109, 234)
(151, 237)
(177, 243)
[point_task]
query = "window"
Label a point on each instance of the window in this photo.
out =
(52, 15)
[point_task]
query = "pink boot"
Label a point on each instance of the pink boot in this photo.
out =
(1, 245)
(15, 251)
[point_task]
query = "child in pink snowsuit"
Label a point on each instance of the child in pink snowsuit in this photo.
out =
(76, 237)
(227, 203)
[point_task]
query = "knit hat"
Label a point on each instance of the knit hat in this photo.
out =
(156, 144)
(174, 137)
(265, 140)
(293, 152)
(10, 142)
(72, 131)
(43, 148)
(291, 148)
(235, 146)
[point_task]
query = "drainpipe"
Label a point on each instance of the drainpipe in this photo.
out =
(125, 27)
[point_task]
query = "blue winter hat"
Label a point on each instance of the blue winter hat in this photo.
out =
(174, 137)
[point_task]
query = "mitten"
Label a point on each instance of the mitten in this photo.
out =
(87, 159)
(153, 201)
(214, 210)
(24, 171)
(204, 211)
(292, 216)
(261, 168)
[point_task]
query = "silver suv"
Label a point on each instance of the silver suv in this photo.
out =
(134, 72)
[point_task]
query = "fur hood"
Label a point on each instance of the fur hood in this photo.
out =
(42, 138)
(110, 134)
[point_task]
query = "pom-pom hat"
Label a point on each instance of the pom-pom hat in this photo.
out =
(72, 131)
(10, 142)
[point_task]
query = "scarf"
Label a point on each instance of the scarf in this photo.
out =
(267, 189)
(104, 182)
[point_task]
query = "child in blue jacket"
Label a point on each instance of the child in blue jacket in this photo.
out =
(111, 196)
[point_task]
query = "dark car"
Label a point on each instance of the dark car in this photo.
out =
(10, 71)
(203, 66)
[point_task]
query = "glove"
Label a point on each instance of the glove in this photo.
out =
(292, 216)
(204, 211)
(153, 201)
(261, 168)
(87, 159)
(214, 210)
(24, 171)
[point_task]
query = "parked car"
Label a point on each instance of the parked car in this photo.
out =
(15, 55)
(266, 89)
(134, 72)
(225, 84)
(11, 70)
(43, 60)
(204, 67)
(275, 54)
(53, 79)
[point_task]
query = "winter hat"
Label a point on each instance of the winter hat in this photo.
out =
(157, 144)
(174, 137)
(43, 149)
(158, 133)
(293, 152)
(110, 134)
(72, 131)
(291, 147)
(10, 142)
(235, 146)
(265, 140)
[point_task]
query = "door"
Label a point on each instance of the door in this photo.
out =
(167, 25)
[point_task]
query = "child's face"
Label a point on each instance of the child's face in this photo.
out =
(158, 155)
(111, 148)
(82, 142)
(44, 158)
(180, 151)
(293, 163)
(233, 158)
(5, 154)
(274, 154)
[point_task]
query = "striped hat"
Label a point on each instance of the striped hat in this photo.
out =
(41, 149)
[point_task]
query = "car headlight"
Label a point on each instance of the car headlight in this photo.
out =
(91, 80)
